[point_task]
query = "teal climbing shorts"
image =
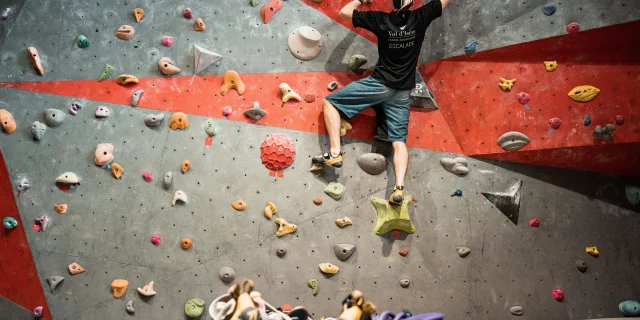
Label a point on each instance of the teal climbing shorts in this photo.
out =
(369, 92)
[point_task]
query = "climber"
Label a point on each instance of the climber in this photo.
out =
(400, 34)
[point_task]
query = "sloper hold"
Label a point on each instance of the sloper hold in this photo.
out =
(153, 120)
(53, 117)
(421, 97)
(269, 9)
(516, 310)
(356, 61)
(507, 202)
(343, 251)
(53, 282)
(372, 163)
(203, 58)
(392, 217)
(335, 190)
(102, 112)
(457, 165)
(227, 274)
(255, 113)
(305, 43)
(405, 283)
(629, 308)
(209, 127)
(513, 141)
(68, 177)
(581, 265)
(136, 97)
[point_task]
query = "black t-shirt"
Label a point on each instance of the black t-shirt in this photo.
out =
(400, 36)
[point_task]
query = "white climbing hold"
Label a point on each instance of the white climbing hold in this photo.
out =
(457, 165)
(68, 177)
(203, 58)
(102, 112)
(288, 93)
(136, 97)
(179, 196)
(147, 290)
(130, 308)
(513, 140)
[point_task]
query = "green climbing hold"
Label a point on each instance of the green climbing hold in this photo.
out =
(107, 70)
(83, 42)
(9, 222)
(254, 3)
(335, 189)
(209, 128)
(313, 284)
(633, 194)
(392, 217)
(630, 308)
(194, 308)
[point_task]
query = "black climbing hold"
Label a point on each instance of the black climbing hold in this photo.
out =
(508, 202)
(549, 9)
(581, 265)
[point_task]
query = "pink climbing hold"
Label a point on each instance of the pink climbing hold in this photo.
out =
(619, 120)
(555, 123)
(535, 222)
(523, 97)
(156, 239)
(167, 41)
(226, 111)
(558, 295)
(187, 13)
(573, 27)
(147, 176)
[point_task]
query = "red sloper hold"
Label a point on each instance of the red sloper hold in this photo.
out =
(534, 222)
(269, 9)
(404, 252)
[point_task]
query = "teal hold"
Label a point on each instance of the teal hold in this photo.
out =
(630, 308)
(9, 222)
(83, 42)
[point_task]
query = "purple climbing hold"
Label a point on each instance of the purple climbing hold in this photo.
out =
(42, 222)
(73, 109)
(102, 112)
(37, 312)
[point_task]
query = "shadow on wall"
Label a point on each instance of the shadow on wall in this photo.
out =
(603, 187)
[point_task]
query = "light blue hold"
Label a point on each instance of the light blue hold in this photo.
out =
(9, 222)
(549, 9)
(630, 308)
(471, 47)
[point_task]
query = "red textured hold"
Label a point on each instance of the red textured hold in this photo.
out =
(285, 307)
(558, 295)
(619, 120)
(277, 152)
(208, 141)
(317, 201)
(309, 98)
(269, 9)
(404, 252)
(397, 233)
(534, 222)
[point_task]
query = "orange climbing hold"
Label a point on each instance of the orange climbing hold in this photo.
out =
(232, 81)
(138, 13)
(7, 122)
(35, 60)
(119, 286)
(186, 165)
(269, 9)
(179, 120)
(199, 25)
(60, 208)
(186, 243)
(117, 170)
(124, 79)
(239, 205)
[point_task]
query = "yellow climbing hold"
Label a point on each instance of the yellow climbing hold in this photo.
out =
(593, 251)
(506, 84)
(270, 209)
(584, 93)
(391, 217)
(550, 65)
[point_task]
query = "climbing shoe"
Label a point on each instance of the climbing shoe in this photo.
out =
(328, 159)
(397, 196)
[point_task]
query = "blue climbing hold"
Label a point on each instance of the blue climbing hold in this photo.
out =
(457, 193)
(407, 312)
(9, 222)
(587, 121)
(630, 308)
(549, 9)
(471, 47)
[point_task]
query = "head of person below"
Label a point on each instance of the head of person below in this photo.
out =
(400, 34)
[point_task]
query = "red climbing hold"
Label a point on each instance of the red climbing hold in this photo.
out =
(397, 233)
(277, 152)
(285, 307)
(309, 98)
(619, 120)
(269, 9)
(558, 295)
(208, 141)
(573, 27)
(534, 222)
(317, 201)
(404, 252)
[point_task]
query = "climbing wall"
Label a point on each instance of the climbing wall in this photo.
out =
(108, 225)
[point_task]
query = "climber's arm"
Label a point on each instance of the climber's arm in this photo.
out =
(347, 11)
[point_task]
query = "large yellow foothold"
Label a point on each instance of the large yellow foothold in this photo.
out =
(506, 84)
(593, 251)
(550, 65)
(584, 93)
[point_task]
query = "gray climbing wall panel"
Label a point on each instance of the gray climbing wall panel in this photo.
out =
(109, 223)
